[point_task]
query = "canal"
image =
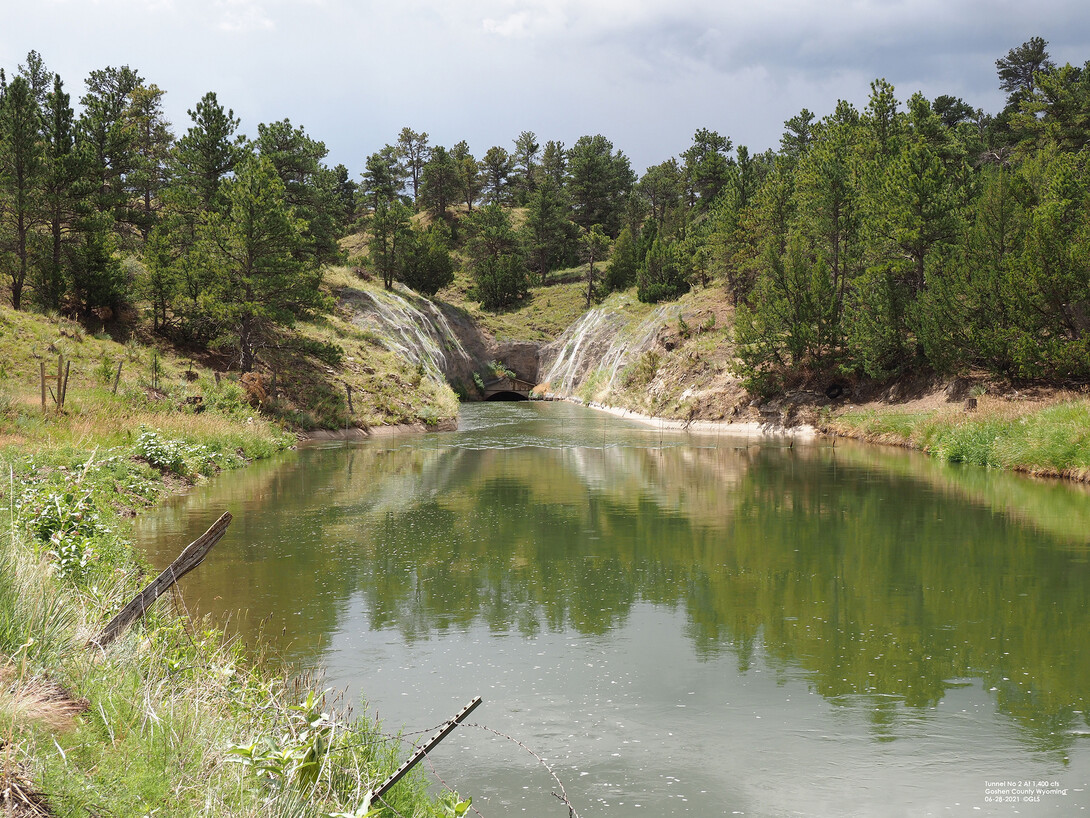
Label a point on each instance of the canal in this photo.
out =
(678, 624)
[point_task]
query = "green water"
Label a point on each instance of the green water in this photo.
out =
(677, 624)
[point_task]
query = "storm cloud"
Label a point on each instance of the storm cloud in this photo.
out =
(644, 73)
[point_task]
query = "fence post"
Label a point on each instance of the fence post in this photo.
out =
(41, 366)
(117, 377)
(64, 389)
(192, 556)
(423, 751)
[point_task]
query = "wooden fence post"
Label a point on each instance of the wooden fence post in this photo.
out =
(117, 377)
(60, 380)
(64, 388)
(348, 389)
(41, 366)
(192, 556)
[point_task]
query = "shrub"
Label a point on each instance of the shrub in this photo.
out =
(165, 455)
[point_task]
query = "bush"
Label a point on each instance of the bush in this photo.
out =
(165, 455)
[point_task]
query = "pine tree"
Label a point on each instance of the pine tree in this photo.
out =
(21, 170)
(258, 281)
(103, 128)
(500, 277)
(148, 134)
(309, 186)
(496, 168)
(706, 166)
(383, 178)
(593, 246)
(425, 264)
(206, 154)
(547, 234)
(599, 182)
(468, 174)
(661, 188)
(413, 151)
(661, 276)
(624, 262)
(439, 182)
(526, 152)
(63, 186)
(389, 224)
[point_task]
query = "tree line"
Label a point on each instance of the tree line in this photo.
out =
(923, 236)
(223, 237)
(906, 235)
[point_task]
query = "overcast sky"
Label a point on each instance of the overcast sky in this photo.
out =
(644, 73)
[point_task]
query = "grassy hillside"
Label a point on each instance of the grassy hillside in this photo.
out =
(542, 316)
(546, 312)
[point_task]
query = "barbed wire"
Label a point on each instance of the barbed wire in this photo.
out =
(404, 738)
(562, 795)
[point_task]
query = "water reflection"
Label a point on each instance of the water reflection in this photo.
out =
(886, 582)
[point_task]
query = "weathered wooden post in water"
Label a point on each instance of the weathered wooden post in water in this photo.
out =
(192, 556)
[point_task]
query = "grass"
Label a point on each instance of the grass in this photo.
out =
(672, 350)
(542, 316)
(312, 392)
(173, 718)
(1051, 440)
(315, 366)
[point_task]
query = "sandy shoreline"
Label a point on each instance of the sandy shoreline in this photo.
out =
(802, 432)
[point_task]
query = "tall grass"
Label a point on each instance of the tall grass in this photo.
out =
(1051, 440)
(177, 719)
(171, 705)
(36, 623)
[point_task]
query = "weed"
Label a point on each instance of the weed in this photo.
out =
(104, 372)
(156, 369)
(1051, 440)
(683, 328)
(499, 370)
(165, 455)
(643, 371)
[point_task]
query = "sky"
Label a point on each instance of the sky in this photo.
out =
(644, 73)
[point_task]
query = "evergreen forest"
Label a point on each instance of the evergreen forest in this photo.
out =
(913, 235)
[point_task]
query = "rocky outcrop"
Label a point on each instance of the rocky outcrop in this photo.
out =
(521, 357)
(442, 339)
(600, 344)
